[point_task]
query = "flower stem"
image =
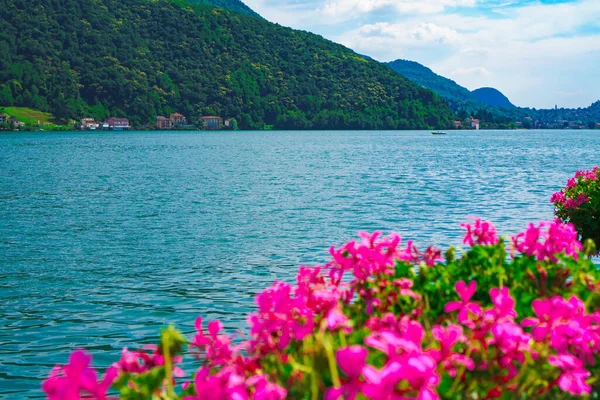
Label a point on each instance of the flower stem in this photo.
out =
(331, 361)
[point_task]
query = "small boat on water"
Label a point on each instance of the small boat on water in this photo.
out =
(438, 133)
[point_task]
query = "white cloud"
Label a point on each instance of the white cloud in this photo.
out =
(531, 53)
(354, 7)
(386, 37)
(482, 71)
(429, 32)
(534, 53)
(475, 51)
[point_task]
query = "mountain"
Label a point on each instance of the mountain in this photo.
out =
(492, 97)
(143, 58)
(488, 104)
(421, 75)
(233, 5)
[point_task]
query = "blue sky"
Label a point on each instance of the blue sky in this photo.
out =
(537, 52)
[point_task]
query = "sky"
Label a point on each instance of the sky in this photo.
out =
(539, 53)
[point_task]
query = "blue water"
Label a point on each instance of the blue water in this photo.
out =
(107, 237)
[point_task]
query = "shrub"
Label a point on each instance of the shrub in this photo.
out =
(516, 319)
(579, 204)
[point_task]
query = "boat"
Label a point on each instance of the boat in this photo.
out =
(438, 133)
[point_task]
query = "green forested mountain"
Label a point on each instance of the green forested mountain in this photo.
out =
(447, 88)
(492, 97)
(233, 5)
(143, 58)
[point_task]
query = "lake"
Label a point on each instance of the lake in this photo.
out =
(107, 237)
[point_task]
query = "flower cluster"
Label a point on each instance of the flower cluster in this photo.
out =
(579, 203)
(547, 240)
(384, 321)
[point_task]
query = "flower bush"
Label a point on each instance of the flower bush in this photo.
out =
(579, 204)
(504, 318)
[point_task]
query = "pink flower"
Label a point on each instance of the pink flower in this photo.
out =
(138, 362)
(448, 337)
(558, 198)
(77, 377)
(504, 305)
(217, 347)
(405, 286)
(418, 370)
(482, 233)
(548, 240)
(465, 306)
(574, 375)
(226, 384)
(570, 204)
(543, 309)
(351, 361)
(265, 390)
(336, 319)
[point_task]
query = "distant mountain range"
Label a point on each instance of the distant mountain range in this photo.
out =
(458, 96)
(492, 97)
(487, 103)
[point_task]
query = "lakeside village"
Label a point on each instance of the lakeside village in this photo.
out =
(178, 121)
(174, 121)
(528, 123)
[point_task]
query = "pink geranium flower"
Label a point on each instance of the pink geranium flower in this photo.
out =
(217, 347)
(351, 361)
(481, 233)
(547, 240)
(77, 378)
(574, 375)
(464, 306)
(336, 319)
(448, 337)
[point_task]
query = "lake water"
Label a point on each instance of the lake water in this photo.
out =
(107, 237)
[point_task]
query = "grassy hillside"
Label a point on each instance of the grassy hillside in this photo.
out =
(29, 116)
(143, 58)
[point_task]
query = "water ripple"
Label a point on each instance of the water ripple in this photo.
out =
(104, 238)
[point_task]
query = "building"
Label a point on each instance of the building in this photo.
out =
(89, 124)
(457, 124)
(211, 122)
(163, 123)
(474, 123)
(598, 125)
(117, 124)
(178, 120)
(3, 118)
(15, 123)
(228, 123)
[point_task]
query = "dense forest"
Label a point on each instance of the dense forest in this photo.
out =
(233, 5)
(143, 58)
(466, 103)
(459, 97)
(492, 97)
